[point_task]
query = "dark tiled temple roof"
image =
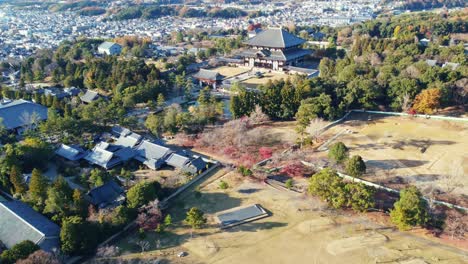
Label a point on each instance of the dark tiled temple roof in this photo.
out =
(19, 112)
(208, 75)
(19, 222)
(275, 38)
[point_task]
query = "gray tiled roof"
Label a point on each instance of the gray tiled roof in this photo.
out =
(128, 141)
(195, 165)
(105, 194)
(18, 113)
(120, 131)
(275, 38)
(69, 152)
(151, 150)
(125, 153)
(19, 222)
(177, 160)
(208, 75)
(102, 157)
(89, 96)
(107, 45)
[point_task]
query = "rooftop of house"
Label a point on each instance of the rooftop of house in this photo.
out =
(102, 157)
(150, 150)
(20, 113)
(69, 152)
(20, 222)
(89, 96)
(275, 38)
(105, 194)
(107, 45)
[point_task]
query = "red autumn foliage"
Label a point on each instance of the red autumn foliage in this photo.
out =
(149, 220)
(230, 151)
(247, 160)
(411, 111)
(254, 26)
(265, 152)
(295, 169)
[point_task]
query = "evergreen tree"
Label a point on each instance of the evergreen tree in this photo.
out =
(410, 210)
(38, 187)
(195, 218)
(17, 180)
(355, 166)
(338, 152)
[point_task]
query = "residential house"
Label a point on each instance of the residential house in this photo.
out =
(109, 48)
(152, 155)
(89, 96)
(101, 156)
(106, 195)
(19, 222)
(71, 153)
(185, 163)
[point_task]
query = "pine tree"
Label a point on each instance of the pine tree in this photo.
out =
(195, 218)
(17, 180)
(410, 210)
(38, 187)
(160, 100)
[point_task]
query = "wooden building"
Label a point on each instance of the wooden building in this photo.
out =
(274, 49)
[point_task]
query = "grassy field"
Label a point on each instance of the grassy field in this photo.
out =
(299, 230)
(424, 152)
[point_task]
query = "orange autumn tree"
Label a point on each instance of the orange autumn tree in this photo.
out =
(427, 101)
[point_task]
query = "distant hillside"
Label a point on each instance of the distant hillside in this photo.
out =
(429, 4)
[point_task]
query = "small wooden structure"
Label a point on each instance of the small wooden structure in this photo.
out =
(207, 77)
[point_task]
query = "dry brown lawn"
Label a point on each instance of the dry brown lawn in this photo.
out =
(228, 71)
(424, 152)
(298, 231)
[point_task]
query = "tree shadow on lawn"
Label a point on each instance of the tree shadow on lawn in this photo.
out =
(254, 227)
(423, 178)
(395, 163)
(248, 191)
(422, 144)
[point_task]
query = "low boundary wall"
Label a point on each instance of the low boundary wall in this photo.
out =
(378, 186)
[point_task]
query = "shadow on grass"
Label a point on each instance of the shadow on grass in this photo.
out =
(248, 191)
(423, 177)
(254, 227)
(395, 163)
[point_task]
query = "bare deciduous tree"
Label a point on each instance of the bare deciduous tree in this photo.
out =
(456, 225)
(258, 117)
(405, 103)
(40, 257)
(107, 251)
(143, 244)
(453, 180)
(315, 127)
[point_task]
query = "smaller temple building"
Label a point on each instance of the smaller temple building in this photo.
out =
(207, 77)
(274, 49)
